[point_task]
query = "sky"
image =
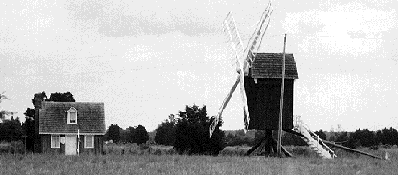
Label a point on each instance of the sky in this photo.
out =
(148, 59)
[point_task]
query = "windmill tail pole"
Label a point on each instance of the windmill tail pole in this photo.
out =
(349, 149)
(337, 146)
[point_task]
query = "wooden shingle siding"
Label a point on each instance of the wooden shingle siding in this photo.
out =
(269, 65)
(98, 145)
(46, 144)
(53, 118)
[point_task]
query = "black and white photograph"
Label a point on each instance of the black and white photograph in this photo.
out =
(217, 87)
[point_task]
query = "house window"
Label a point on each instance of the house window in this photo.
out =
(72, 116)
(89, 141)
(55, 141)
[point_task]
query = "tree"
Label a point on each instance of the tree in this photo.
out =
(192, 132)
(387, 136)
(61, 97)
(342, 137)
(363, 138)
(239, 138)
(392, 135)
(229, 138)
(141, 135)
(3, 112)
(11, 130)
(291, 139)
(321, 134)
(30, 113)
(240, 133)
(131, 132)
(43, 96)
(166, 133)
(123, 135)
(29, 128)
(113, 133)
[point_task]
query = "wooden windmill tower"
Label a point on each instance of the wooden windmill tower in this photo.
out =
(258, 80)
(266, 86)
(260, 76)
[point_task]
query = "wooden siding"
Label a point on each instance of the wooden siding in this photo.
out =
(98, 145)
(46, 145)
(264, 103)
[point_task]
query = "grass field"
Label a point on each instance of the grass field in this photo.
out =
(156, 162)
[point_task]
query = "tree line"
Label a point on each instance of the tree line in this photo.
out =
(189, 131)
(358, 138)
(138, 135)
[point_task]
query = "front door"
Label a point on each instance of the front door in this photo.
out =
(70, 145)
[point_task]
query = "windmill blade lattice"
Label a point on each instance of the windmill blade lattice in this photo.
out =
(243, 60)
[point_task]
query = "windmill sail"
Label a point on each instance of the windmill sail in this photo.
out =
(256, 39)
(244, 100)
(242, 65)
(243, 60)
(224, 104)
(229, 27)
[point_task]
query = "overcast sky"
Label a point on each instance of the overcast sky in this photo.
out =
(148, 59)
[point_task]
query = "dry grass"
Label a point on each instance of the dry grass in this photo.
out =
(144, 163)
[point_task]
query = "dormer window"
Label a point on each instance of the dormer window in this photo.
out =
(72, 116)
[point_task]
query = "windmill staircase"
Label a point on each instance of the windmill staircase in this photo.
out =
(313, 140)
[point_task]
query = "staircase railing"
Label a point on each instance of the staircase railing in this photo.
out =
(313, 140)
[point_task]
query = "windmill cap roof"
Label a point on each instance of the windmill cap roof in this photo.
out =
(269, 65)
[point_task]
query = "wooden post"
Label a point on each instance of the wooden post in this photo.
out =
(24, 136)
(78, 142)
(269, 143)
(280, 119)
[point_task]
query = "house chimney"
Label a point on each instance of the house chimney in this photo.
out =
(37, 102)
(38, 99)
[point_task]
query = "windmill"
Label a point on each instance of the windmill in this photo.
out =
(263, 85)
(243, 60)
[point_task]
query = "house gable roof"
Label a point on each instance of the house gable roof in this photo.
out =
(269, 65)
(53, 118)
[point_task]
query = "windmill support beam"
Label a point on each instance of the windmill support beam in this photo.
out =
(269, 145)
(285, 151)
(258, 145)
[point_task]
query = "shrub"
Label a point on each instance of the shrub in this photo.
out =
(12, 147)
(158, 152)
(304, 151)
(144, 146)
(165, 134)
(192, 133)
(170, 151)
